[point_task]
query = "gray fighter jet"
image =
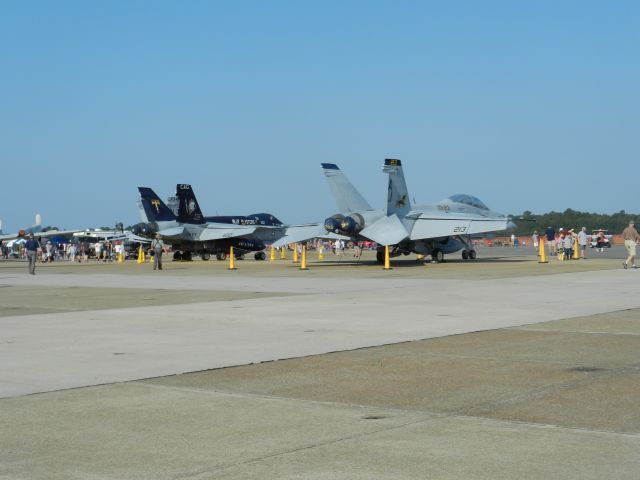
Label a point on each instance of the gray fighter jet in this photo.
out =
(437, 229)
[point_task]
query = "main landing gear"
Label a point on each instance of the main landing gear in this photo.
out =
(468, 254)
(437, 255)
(182, 256)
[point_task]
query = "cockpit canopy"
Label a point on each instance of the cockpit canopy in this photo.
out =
(468, 200)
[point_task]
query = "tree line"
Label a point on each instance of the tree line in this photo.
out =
(615, 223)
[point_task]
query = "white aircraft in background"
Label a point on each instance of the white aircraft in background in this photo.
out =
(24, 232)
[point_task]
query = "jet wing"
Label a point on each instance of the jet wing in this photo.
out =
(430, 226)
(302, 233)
(386, 231)
(222, 230)
(171, 232)
(47, 234)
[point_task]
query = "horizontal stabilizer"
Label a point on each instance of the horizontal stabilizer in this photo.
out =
(302, 233)
(386, 231)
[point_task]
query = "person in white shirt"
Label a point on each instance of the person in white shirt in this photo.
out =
(582, 242)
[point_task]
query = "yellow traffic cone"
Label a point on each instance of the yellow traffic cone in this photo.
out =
(576, 255)
(232, 260)
(272, 258)
(387, 263)
(283, 253)
(140, 255)
(303, 264)
(120, 257)
(543, 258)
(320, 252)
(295, 253)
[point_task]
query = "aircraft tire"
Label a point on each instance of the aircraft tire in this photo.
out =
(205, 256)
(380, 257)
(472, 254)
(465, 255)
(437, 256)
(177, 256)
(260, 256)
(221, 256)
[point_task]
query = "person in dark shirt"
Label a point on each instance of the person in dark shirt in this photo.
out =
(550, 235)
(32, 251)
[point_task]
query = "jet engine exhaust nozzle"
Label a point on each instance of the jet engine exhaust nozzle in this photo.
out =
(144, 229)
(352, 224)
(332, 224)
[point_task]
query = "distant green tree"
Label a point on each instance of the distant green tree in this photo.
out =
(570, 218)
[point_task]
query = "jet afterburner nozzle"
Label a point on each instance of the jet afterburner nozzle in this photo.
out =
(144, 229)
(332, 224)
(352, 224)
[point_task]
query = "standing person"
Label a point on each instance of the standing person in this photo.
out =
(631, 238)
(550, 233)
(560, 244)
(535, 239)
(108, 251)
(568, 244)
(582, 242)
(32, 251)
(49, 254)
(157, 245)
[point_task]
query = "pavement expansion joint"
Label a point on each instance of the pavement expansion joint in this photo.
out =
(591, 376)
(576, 332)
(385, 413)
(335, 441)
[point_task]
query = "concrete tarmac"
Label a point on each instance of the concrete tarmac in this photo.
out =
(502, 368)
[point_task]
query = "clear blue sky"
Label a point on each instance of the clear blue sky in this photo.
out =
(527, 105)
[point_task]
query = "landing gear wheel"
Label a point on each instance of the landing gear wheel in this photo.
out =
(260, 256)
(177, 256)
(380, 256)
(465, 255)
(205, 256)
(186, 256)
(221, 255)
(472, 254)
(437, 256)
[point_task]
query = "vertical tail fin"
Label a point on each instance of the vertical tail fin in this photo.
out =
(344, 193)
(36, 227)
(154, 208)
(188, 208)
(398, 196)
